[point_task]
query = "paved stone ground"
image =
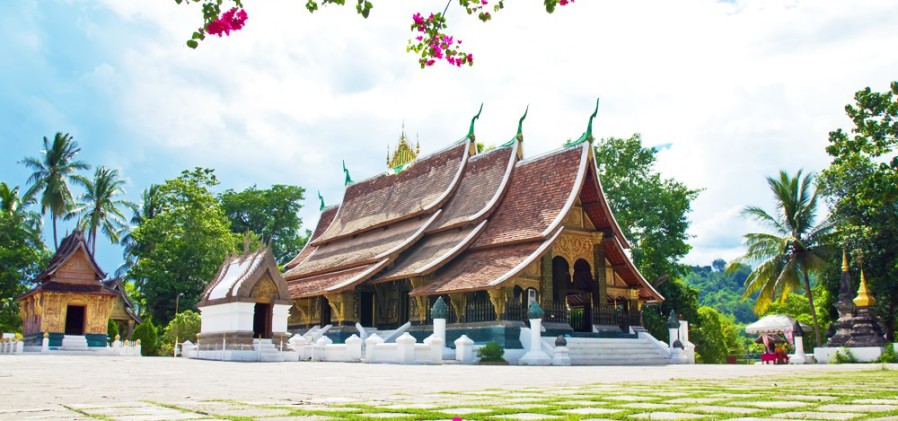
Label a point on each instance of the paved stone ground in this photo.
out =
(115, 388)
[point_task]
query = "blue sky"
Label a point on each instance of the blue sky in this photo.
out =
(739, 89)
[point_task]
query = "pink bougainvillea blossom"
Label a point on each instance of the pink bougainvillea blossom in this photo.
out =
(232, 20)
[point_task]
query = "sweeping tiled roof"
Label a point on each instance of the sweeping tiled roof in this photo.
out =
(386, 199)
(367, 248)
(428, 254)
(540, 191)
(332, 282)
(479, 190)
(327, 216)
(239, 274)
(486, 268)
(115, 285)
(68, 247)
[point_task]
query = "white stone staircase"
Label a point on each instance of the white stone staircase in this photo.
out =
(615, 351)
(74, 343)
(268, 351)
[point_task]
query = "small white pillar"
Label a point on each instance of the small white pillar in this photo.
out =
(435, 347)
(45, 343)
(20, 346)
(439, 329)
(370, 344)
(406, 346)
(535, 354)
(464, 349)
(318, 349)
(799, 356)
(187, 348)
(354, 347)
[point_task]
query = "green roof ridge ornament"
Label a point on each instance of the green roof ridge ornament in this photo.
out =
(535, 311)
(520, 134)
(440, 310)
(471, 129)
(348, 179)
(587, 135)
(321, 198)
(672, 321)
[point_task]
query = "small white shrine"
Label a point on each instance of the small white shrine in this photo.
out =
(244, 311)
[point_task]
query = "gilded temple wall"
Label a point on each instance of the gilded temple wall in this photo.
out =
(46, 311)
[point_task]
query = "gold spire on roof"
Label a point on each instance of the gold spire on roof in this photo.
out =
(844, 261)
(864, 298)
(404, 152)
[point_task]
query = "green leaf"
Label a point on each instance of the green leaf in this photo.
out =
(193, 44)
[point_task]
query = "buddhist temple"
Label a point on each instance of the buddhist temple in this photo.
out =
(71, 303)
(488, 232)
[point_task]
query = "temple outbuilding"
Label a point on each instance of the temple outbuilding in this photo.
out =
(247, 299)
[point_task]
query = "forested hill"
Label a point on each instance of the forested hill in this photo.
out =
(722, 291)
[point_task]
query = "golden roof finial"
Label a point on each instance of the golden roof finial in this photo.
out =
(844, 261)
(864, 298)
(403, 154)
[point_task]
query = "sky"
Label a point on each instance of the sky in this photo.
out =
(739, 89)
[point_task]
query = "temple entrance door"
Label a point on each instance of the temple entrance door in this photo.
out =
(262, 320)
(366, 308)
(325, 312)
(74, 320)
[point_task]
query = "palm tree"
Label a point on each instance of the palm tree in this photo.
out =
(101, 209)
(52, 174)
(11, 203)
(150, 206)
(796, 247)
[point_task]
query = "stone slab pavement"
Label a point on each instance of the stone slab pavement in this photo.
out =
(107, 387)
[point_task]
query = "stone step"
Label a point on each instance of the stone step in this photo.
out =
(74, 343)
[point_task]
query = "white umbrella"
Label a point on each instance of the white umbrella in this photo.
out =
(774, 323)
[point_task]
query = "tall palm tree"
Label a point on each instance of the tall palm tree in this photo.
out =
(150, 205)
(11, 203)
(101, 206)
(796, 248)
(52, 174)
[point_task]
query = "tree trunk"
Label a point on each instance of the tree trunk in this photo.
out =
(55, 242)
(93, 241)
(807, 289)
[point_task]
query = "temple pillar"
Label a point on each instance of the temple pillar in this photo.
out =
(546, 280)
(599, 269)
(499, 297)
(419, 304)
(459, 304)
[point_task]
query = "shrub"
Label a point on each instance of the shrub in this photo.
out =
(491, 352)
(111, 330)
(146, 332)
(843, 356)
(183, 327)
(888, 356)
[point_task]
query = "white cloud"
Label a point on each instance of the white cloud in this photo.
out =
(740, 89)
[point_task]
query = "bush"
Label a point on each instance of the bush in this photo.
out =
(843, 356)
(888, 356)
(184, 326)
(492, 352)
(111, 330)
(146, 333)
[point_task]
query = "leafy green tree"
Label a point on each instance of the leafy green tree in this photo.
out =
(150, 205)
(101, 207)
(680, 298)
(111, 330)
(721, 290)
(149, 338)
(22, 254)
(180, 248)
(861, 188)
(651, 210)
(52, 174)
(709, 337)
(272, 213)
(794, 250)
(185, 326)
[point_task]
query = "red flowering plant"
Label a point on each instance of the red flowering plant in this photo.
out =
(431, 43)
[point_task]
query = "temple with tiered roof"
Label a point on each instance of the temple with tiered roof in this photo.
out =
(489, 232)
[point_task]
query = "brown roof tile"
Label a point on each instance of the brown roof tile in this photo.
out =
(541, 189)
(324, 221)
(331, 282)
(385, 199)
(431, 252)
(484, 269)
(367, 247)
(480, 188)
(67, 248)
